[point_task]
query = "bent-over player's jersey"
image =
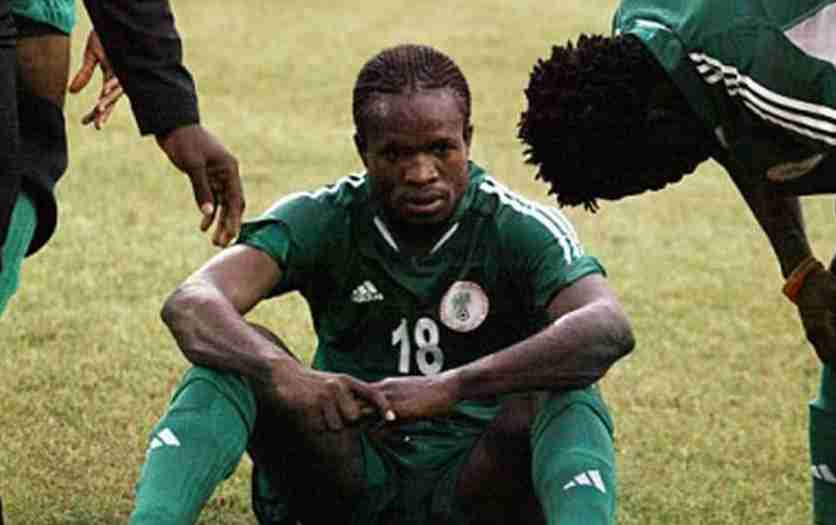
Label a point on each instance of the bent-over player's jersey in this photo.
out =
(379, 313)
(760, 73)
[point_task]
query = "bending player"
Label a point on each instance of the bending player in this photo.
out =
(751, 84)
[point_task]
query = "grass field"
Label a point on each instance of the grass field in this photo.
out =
(710, 409)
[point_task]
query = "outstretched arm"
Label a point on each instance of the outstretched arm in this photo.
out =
(781, 219)
(589, 334)
(144, 48)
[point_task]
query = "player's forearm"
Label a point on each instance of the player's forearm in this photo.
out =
(211, 333)
(782, 221)
(573, 352)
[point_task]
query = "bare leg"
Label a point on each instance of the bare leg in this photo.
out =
(547, 458)
(44, 66)
(495, 485)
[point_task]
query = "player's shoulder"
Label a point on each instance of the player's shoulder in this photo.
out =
(518, 218)
(508, 206)
(337, 198)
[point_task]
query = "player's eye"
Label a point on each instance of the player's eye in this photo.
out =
(441, 149)
(389, 155)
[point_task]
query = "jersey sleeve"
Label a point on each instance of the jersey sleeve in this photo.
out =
(143, 45)
(780, 73)
(775, 59)
(291, 232)
(545, 252)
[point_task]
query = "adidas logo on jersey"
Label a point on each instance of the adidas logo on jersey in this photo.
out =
(366, 293)
(164, 438)
(590, 478)
(824, 473)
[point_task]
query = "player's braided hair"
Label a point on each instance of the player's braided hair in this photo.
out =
(586, 126)
(403, 69)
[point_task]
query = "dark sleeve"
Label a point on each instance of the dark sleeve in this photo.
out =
(144, 48)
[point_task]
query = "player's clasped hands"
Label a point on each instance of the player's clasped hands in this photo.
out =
(817, 307)
(324, 401)
(414, 397)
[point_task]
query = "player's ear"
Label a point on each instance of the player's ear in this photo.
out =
(468, 134)
(360, 144)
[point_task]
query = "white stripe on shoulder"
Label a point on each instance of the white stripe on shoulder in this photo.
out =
(566, 226)
(826, 127)
(567, 239)
(813, 120)
(352, 180)
(784, 124)
(652, 24)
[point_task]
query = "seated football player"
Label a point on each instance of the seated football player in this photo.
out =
(751, 84)
(461, 328)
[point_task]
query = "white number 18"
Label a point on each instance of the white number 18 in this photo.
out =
(429, 357)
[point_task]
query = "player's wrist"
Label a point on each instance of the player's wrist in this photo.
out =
(795, 281)
(455, 383)
(276, 370)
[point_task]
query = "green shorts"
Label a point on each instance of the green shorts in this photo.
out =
(411, 476)
(21, 230)
(57, 13)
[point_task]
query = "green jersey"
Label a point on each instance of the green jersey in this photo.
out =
(57, 13)
(760, 73)
(378, 312)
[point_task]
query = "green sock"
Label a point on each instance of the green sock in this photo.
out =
(197, 444)
(823, 450)
(574, 462)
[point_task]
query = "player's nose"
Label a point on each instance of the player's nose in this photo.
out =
(420, 170)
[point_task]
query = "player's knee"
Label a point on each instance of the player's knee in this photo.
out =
(511, 429)
(202, 387)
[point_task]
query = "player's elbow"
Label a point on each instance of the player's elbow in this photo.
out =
(617, 334)
(183, 306)
(174, 308)
(623, 339)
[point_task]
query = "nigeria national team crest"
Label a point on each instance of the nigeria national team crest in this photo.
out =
(464, 306)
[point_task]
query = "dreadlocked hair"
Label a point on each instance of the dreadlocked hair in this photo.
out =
(402, 69)
(585, 127)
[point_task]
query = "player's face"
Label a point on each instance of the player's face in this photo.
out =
(676, 138)
(416, 152)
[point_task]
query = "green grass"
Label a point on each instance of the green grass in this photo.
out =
(710, 409)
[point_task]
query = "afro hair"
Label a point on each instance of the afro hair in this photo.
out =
(588, 125)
